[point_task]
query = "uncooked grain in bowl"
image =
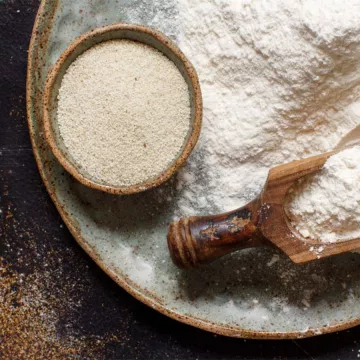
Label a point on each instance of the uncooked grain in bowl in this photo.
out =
(123, 112)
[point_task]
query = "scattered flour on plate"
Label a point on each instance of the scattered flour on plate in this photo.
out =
(123, 112)
(325, 206)
(280, 81)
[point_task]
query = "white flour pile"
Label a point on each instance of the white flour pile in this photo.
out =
(280, 81)
(326, 205)
(123, 112)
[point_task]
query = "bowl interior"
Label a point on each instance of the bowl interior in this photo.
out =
(84, 45)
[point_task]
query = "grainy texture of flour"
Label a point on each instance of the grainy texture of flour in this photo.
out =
(326, 205)
(123, 112)
(280, 81)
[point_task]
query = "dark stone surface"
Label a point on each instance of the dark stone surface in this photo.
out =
(33, 238)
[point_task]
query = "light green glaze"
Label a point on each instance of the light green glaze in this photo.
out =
(246, 294)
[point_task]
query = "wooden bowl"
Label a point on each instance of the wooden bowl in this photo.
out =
(141, 34)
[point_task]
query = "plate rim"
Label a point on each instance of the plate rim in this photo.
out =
(124, 282)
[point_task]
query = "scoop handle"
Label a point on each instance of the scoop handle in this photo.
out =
(202, 239)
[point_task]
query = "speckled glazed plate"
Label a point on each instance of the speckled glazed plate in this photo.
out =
(254, 293)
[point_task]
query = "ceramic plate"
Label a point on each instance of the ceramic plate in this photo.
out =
(254, 293)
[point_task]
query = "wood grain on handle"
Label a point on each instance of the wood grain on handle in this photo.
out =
(201, 239)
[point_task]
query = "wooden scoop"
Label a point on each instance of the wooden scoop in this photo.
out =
(201, 239)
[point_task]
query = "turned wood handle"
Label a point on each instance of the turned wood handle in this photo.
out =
(202, 239)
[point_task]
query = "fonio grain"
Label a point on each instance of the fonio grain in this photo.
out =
(123, 112)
